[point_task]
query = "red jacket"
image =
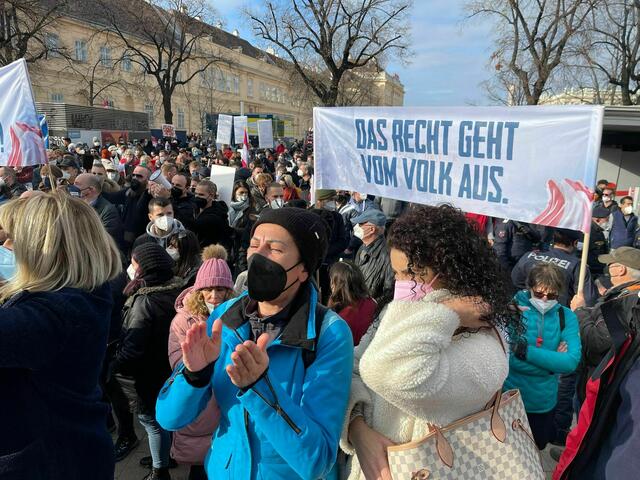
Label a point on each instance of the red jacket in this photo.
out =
(359, 317)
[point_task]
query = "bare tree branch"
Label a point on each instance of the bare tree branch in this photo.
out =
(324, 40)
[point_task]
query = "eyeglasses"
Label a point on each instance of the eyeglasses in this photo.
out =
(549, 295)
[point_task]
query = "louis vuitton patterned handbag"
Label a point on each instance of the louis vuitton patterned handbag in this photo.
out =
(495, 443)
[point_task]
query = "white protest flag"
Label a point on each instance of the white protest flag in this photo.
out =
(224, 129)
(265, 134)
(531, 164)
(21, 142)
(239, 126)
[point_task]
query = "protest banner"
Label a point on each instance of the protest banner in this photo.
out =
(21, 142)
(223, 178)
(531, 164)
(168, 130)
(239, 126)
(265, 134)
(223, 135)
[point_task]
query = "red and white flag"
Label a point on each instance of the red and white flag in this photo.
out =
(21, 142)
(245, 150)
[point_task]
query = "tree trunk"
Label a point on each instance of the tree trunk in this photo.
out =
(166, 104)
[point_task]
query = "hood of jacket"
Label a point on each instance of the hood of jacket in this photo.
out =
(174, 283)
(177, 228)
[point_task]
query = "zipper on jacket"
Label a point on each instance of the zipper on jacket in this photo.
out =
(226, 467)
(287, 419)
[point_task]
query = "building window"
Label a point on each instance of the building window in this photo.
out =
(105, 57)
(148, 109)
(249, 87)
(57, 98)
(236, 85)
(52, 42)
(220, 81)
(180, 118)
(81, 50)
(126, 63)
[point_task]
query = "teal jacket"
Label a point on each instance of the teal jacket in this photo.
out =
(536, 376)
(255, 440)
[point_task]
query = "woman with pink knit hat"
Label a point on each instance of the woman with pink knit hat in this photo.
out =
(213, 286)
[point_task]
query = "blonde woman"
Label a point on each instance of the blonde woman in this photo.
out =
(54, 325)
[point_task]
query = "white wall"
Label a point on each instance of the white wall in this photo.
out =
(619, 167)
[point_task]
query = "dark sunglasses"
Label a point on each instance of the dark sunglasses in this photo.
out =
(541, 295)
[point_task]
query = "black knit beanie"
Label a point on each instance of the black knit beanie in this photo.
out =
(309, 232)
(154, 261)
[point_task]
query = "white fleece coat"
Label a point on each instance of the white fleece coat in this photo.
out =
(411, 371)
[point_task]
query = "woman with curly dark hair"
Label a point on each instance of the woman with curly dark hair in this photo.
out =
(433, 356)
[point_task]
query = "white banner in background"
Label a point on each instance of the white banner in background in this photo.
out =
(21, 141)
(239, 124)
(265, 134)
(223, 178)
(531, 164)
(224, 129)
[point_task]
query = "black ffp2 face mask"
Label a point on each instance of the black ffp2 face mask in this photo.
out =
(266, 279)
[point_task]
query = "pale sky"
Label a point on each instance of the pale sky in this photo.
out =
(449, 58)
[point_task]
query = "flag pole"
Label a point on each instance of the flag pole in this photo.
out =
(583, 262)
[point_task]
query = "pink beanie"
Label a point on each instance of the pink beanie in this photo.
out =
(213, 273)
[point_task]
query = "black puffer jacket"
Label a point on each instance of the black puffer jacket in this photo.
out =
(212, 226)
(375, 264)
(142, 353)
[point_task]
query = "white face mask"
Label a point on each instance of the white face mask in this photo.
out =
(173, 253)
(543, 306)
(131, 272)
(164, 223)
(242, 198)
(606, 198)
(66, 175)
(277, 203)
(628, 210)
(330, 205)
(113, 176)
(210, 306)
(605, 225)
(300, 173)
(289, 169)
(358, 232)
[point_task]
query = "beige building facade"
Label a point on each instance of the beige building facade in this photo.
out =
(94, 72)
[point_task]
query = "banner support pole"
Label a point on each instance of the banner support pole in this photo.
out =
(583, 262)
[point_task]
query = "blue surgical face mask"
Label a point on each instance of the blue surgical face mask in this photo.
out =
(7, 263)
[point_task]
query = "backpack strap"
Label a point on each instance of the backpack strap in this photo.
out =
(562, 321)
(309, 356)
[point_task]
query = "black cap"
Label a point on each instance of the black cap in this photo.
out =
(69, 161)
(572, 235)
(600, 212)
(153, 260)
(309, 231)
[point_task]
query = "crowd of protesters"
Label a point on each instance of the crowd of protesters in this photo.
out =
(131, 292)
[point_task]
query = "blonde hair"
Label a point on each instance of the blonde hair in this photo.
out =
(214, 251)
(53, 236)
(196, 305)
(263, 180)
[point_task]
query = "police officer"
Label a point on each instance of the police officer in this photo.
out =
(512, 240)
(563, 255)
(598, 244)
